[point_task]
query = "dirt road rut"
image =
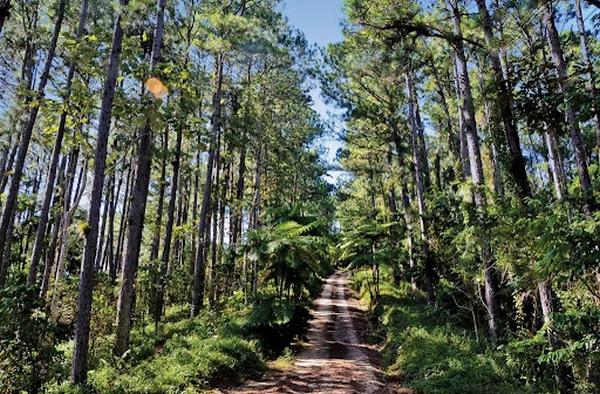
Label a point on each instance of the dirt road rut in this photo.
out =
(336, 358)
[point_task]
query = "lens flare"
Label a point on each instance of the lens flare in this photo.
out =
(156, 87)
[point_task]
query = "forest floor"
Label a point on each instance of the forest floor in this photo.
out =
(336, 357)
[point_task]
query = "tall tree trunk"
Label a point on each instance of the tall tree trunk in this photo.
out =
(84, 301)
(421, 173)
(409, 235)
(476, 167)
(110, 256)
(464, 150)
(41, 228)
(100, 254)
(502, 112)
(221, 237)
(166, 254)
(161, 196)
(8, 165)
(490, 123)
(66, 182)
(255, 214)
(137, 210)
(238, 205)
(453, 137)
(215, 222)
(68, 210)
(195, 212)
(565, 86)
(124, 215)
(239, 198)
(200, 263)
(555, 163)
(587, 61)
(13, 191)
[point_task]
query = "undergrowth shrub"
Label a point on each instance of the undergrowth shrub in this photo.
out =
(275, 322)
(27, 339)
(426, 351)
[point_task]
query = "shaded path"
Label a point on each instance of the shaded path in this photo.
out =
(336, 358)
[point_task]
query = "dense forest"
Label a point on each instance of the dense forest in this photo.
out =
(168, 221)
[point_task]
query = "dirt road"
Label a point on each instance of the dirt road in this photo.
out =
(336, 359)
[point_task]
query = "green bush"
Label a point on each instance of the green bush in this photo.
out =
(275, 322)
(28, 356)
(427, 351)
(185, 364)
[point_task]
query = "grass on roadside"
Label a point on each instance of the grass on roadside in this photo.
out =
(423, 349)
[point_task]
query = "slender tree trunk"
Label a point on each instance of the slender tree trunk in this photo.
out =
(215, 222)
(221, 237)
(490, 123)
(565, 86)
(161, 197)
(453, 138)
(409, 235)
(66, 185)
(195, 212)
(476, 166)
(137, 210)
(100, 254)
(464, 150)
(110, 256)
(421, 173)
(41, 228)
(68, 210)
(200, 263)
(255, 217)
(256, 199)
(587, 61)
(124, 214)
(502, 112)
(9, 164)
(13, 191)
(162, 277)
(395, 231)
(555, 164)
(84, 302)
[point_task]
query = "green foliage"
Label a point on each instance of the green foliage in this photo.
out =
(276, 322)
(426, 351)
(292, 251)
(28, 356)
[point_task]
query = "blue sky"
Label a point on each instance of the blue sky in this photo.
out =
(320, 20)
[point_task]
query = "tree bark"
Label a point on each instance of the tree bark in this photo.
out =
(565, 87)
(555, 164)
(124, 213)
(137, 209)
(502, 113)
(214, 224)
(65, 181)
(99, 256)
(421, 173)
(255, 216)
(587, 62)
(13, 191)
(161, 196)
(42, 224)
(476, 167)
(110, 256)
(84, 303)
(200, 263)
(68, 210)
(166, 254)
